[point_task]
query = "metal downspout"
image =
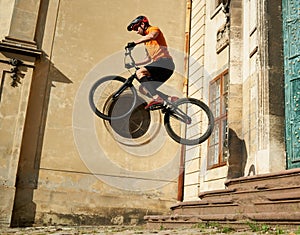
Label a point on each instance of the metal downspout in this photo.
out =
(180, 191)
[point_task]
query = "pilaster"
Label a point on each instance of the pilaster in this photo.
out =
(235, 92)
(18, 53)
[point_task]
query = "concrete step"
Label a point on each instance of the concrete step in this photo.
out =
(266, 198)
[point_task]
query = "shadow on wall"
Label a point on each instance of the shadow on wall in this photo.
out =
(237, 156)
(44, 75)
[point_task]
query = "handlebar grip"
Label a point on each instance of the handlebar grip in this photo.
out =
(130, 45)
(128, 48)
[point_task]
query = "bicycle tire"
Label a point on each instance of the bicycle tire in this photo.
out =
(200, 128)
(102, 102)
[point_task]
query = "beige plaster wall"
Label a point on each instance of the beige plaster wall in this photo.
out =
(78, 36)
(7, 7)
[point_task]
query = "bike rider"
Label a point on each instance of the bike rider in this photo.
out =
(160, 65)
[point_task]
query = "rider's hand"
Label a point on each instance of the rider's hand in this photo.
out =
(130, 45)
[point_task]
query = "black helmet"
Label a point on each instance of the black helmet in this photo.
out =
(137, 22)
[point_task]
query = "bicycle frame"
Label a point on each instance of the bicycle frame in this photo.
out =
(172, 110)
(127, 84)
(129, 81)
(169, 107)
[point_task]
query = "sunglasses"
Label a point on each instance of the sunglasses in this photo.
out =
(135, 27)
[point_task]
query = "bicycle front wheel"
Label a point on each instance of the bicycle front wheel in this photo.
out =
(190, 122)
(104, 105)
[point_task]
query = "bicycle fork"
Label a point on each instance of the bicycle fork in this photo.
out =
(180, 115)
(127, 84)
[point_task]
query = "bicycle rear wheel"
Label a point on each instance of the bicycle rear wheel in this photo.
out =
(102, 102)
(197, 129)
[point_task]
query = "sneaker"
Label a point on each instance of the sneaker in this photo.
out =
(173, 99)
(155, 102)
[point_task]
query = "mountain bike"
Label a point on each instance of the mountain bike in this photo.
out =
(188, 121)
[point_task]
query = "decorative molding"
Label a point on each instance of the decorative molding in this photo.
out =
(253, 51)
(222, 38)
(252, 31)
(15, 71)
(20, 47)
(216, 11)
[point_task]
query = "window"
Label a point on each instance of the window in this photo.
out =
(218, 103)
(134, 125)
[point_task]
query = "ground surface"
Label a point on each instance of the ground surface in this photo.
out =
(133, 230)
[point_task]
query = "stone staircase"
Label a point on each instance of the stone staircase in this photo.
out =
(268, 198)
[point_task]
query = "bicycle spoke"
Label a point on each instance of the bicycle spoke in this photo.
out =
(102, 102)
(196, 129)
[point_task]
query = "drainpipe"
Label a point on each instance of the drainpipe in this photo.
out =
(180, 191)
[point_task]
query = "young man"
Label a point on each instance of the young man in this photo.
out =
(160, 65)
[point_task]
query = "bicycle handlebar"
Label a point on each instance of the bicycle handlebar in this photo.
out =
(128, 54)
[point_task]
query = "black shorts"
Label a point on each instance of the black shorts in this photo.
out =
(161, 70)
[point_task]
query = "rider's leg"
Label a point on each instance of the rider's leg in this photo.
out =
(152, 87)
(153, 76)
(149, 86)
(159, 98)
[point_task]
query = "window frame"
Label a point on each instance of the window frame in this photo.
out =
(219, 120)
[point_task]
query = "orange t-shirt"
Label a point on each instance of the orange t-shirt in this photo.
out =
(157, 48)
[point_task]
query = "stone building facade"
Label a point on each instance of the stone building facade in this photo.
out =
(245, 63)
(230, 44)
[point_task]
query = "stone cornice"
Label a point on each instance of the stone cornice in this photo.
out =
(20, 47)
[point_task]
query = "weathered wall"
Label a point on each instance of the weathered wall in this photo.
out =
(263, 114)
(56, 182)
(207, 61)
(196, 88)
(215, 63)
(14, 97)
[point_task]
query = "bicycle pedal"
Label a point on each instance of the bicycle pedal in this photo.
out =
(156, 107)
